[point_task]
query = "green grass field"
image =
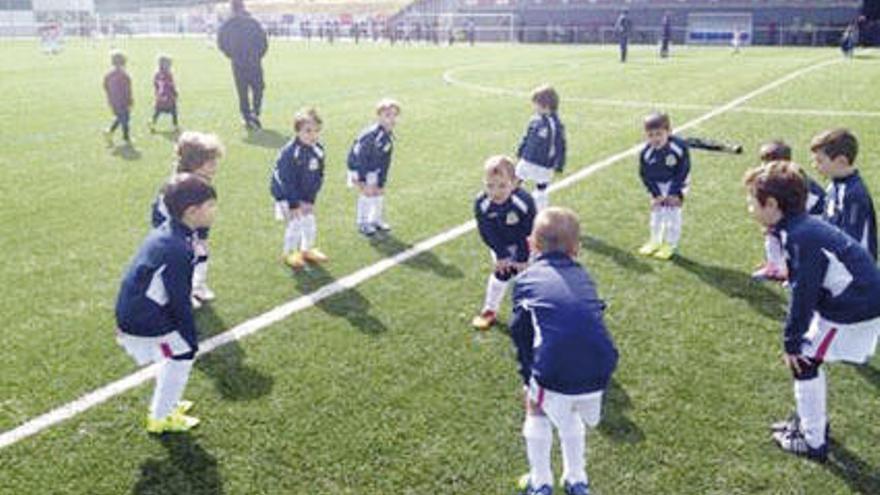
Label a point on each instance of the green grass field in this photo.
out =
(385, 388)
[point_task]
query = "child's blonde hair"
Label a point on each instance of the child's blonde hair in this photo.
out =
(387, 103)
(117, 58)
(304, 116)
(546, 96)
(499, 165)
(194, 149)
(556, 229)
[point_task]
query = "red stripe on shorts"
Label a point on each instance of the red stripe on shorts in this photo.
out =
(540, 403)
(826, 343)
(166, 349)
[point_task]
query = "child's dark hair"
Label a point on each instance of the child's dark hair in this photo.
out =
(184, 191)
(657, 120)
(304, 116)
(836, 142)
(164, 61)
(775, 150)
(783, 181)
(118, 58)
(547, 97)
(194, 149)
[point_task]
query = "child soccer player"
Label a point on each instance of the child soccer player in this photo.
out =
(665, 164)
(197, 153)
(774, 267)
(165, 92)
(368, 164)
(154, 309)
(296, 181)
(834, 312)
(542, 150)
(566, 356)
(505, 213)
(848, 202)
(117, 85)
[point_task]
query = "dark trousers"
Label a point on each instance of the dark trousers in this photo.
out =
(249, 82)
(664, 48)
(171, 110)
(624, 46)
(122, 118)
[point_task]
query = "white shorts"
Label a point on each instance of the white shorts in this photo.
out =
(528, 171)
(562, 409)
(351, 178)
(851, 342)
(146, 350)
(282, 210)
(666, 186)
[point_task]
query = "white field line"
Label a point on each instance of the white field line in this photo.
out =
(279, 313)
(450, 78)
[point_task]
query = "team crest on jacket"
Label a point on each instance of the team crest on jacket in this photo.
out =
(313, 164)
(671, 160)
(512, 218)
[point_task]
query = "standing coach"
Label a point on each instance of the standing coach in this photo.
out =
(243, 40)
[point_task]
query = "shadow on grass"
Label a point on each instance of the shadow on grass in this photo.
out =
(389, 245)
(226, 366)
(348, 304)
(856, 473)
(266, 138)
(615, 423)
(737, 285)
(188, 469)
(126, 152)
(170, 135)
(871, 374)
(620, 257)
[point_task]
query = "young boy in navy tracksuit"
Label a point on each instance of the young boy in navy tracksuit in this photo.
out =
(566, 355)
(834, 312)
(848, 202)
(154, 307)
(197, 153)
(542, 150)
(296, 181)
(774, 268)
(368, 162)
(664, 166)
(505, 214)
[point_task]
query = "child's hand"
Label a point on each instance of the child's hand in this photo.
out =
(503, 265)
(296, 212)
(658, 202)
(532, 407)
(796, 362)
(673, 201)
(306, 208)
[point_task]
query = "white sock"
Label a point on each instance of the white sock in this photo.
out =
(378, 213)
(170, 382)
(495, 290)
(574, 448)
(200, 275)
(773, 249)
(539, 441)
(293, 235)
(656, 225)
(309, 231)
(673, 225)
(363, 209)
(542, 198)
(811, 399)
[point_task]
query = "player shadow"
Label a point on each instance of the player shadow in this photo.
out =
(870, 374)
(171, 135)
(852, 470)
(615, 423)
(737, 285)
(620, 257)
(389, 245)
(266, 138)
(188, 468)
(127, 152)
(226, 365)
(348, 304)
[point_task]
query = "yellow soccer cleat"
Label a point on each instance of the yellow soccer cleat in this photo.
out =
(183, 407)
(315, 256)
(665, 252)
(295, 260)
(649, 248)
(484, 320)
(173, 423)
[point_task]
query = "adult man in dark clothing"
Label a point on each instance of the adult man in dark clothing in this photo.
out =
(243, 40)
